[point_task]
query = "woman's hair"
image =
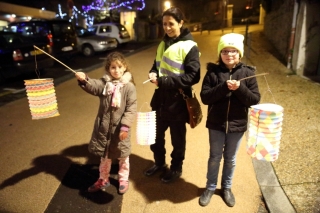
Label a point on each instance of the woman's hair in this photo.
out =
(116, 56)
(175, 13)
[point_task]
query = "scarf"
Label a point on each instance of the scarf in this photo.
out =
(113, 88)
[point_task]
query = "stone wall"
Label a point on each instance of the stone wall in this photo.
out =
(277, 26)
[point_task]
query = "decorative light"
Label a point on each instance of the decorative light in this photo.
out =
(98, 5)
(60, 14)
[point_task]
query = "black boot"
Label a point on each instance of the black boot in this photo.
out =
(228, 197)
(170, 176)
(154, 169)
(205, 197)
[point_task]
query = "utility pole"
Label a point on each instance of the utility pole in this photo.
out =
(70, 5)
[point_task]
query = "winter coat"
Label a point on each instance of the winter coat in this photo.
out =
(122, 116)
(228, 110)
(167, 100)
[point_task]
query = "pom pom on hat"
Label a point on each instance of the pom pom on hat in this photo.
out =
(234, 40)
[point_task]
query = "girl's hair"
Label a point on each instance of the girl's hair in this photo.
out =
(175, 13)
(219, 61)
(117, 56)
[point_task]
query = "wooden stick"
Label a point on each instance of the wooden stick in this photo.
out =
(56, 60)
(147, 81)
(254, 76)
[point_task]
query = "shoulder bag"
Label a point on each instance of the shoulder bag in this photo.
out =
(194, 108)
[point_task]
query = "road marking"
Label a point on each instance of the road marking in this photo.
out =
(11, 91)
(5, 93)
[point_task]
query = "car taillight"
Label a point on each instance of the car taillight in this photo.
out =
(50, 39)
(17, 56)
(120, 35)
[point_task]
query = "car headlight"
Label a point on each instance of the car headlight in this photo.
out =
(103, 42)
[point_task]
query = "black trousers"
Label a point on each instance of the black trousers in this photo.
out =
(178, 132)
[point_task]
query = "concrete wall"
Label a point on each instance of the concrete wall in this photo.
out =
(127, 20)
(306, 49)
(306, 57)
(277, 26)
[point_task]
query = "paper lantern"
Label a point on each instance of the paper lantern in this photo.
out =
(146, 128)
(264, 131)
(42, 98)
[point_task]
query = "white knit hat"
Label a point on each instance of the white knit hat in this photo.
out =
(234, 40)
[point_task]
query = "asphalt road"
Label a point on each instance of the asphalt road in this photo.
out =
(14, 88)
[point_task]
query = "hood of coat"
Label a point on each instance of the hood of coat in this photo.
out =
(127, 77)
(184, 36)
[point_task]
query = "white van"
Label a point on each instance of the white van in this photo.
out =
(113, 30)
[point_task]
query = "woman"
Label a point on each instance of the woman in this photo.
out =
(228, 100)
(175, 67)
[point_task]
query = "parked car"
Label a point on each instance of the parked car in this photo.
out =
(89, 42)
(59, 34)
(114, 30)
(18, 55)
(250, 20)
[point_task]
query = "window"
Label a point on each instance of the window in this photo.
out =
(105, 29)
(60, 29)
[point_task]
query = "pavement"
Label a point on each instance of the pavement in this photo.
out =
(36, 155)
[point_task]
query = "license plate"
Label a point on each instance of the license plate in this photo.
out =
(36, 52)
(68, 48)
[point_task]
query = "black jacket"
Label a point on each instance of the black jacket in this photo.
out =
(167, 100)
(228, 110)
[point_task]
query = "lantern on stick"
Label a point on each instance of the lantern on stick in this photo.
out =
(41, 95)
(42, 98)
(264, 131)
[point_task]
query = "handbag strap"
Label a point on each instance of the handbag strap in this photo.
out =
(185, 97)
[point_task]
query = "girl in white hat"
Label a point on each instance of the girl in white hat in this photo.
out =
(228, 100)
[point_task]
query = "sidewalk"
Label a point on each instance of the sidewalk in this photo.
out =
(290, 184)
(296, 172)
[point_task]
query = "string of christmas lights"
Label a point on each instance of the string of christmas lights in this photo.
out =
(99, 5)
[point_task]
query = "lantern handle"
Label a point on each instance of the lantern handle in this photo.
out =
(56, 60)
(253, 76)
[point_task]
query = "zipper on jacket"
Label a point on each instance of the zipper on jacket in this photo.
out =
(227, 126)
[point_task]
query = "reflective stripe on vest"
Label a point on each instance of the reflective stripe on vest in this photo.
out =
(170, 62)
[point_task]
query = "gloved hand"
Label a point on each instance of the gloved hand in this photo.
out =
(123, 135)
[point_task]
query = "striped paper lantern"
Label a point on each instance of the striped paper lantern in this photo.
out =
(42, 98)
(264, 131)
(146, 128)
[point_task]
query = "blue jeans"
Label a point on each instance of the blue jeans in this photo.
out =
(225, 144)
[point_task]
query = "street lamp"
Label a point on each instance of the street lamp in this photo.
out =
(167, 5)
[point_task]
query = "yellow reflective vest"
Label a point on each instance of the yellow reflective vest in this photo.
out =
(170, 61)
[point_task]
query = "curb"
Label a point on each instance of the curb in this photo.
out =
(275, 198)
